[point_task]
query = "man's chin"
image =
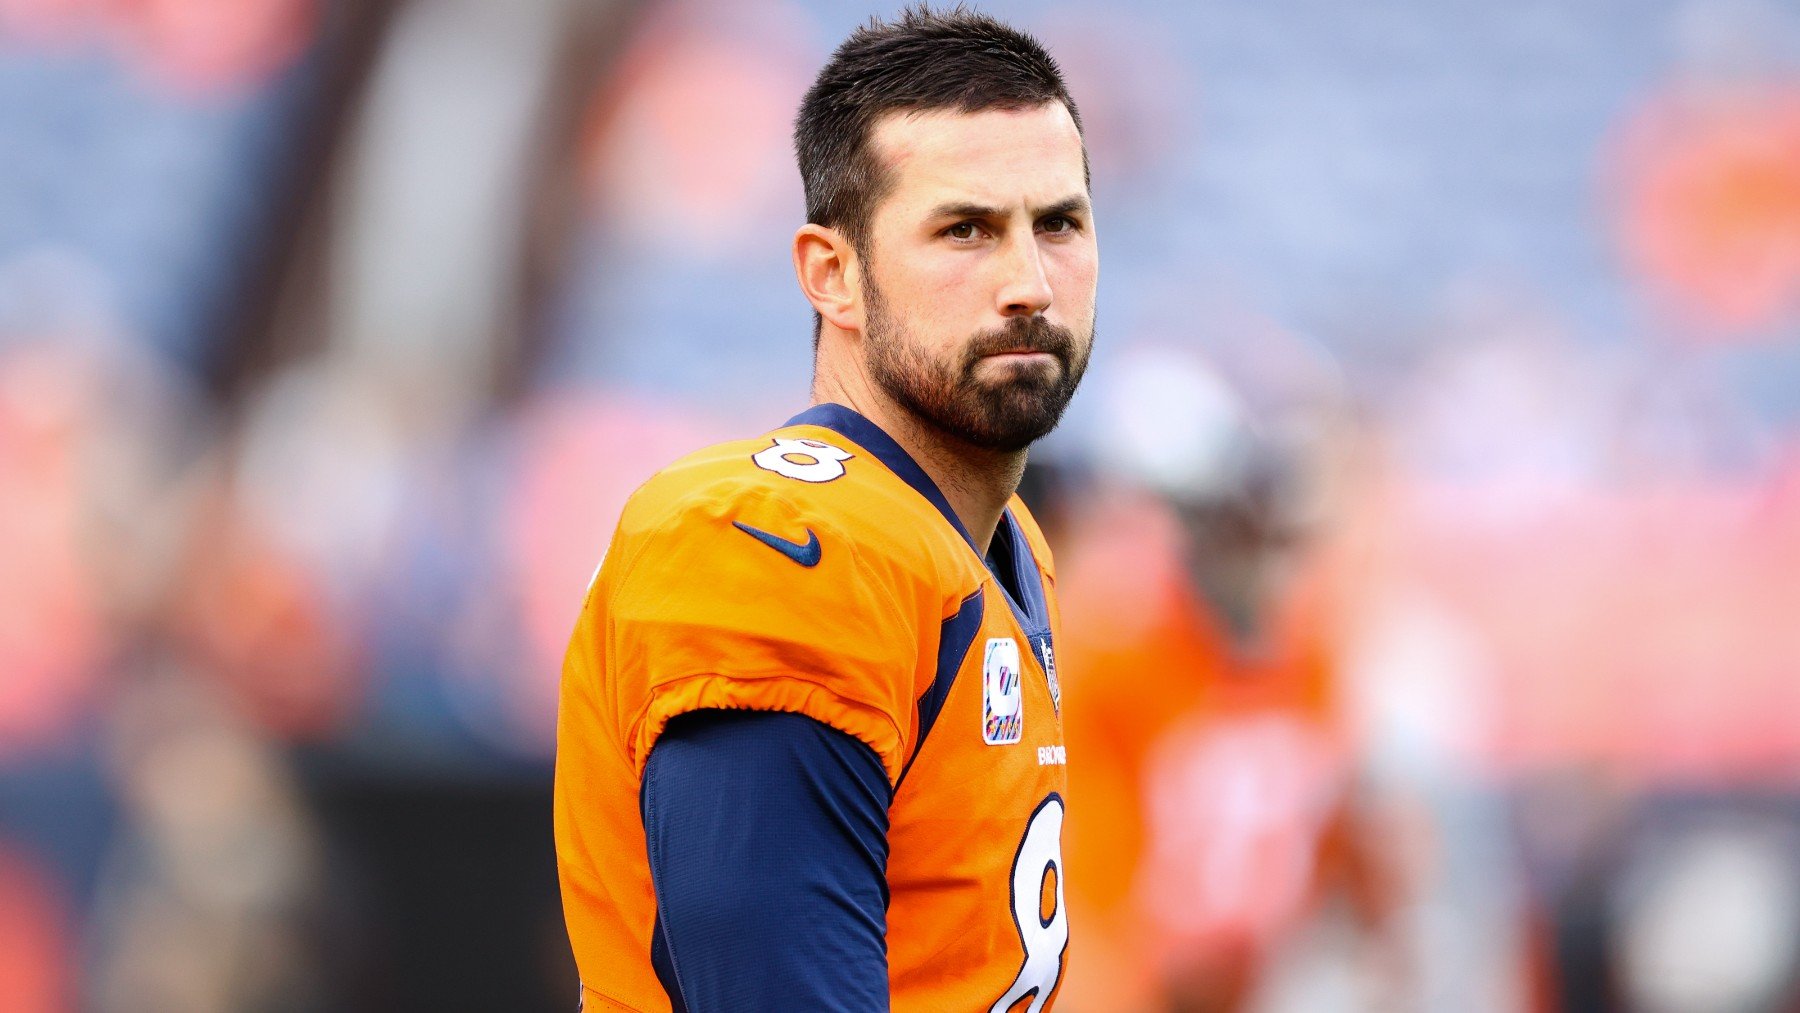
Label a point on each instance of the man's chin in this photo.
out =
(1012, 423)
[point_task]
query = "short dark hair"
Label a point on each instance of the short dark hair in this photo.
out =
(925, 60)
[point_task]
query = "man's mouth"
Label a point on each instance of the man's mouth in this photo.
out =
(1025, 345)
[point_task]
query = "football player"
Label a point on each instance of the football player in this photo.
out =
(810, 749)
(1204, 631)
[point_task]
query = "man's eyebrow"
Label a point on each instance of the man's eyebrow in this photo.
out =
(1074, 204)
(964, 209)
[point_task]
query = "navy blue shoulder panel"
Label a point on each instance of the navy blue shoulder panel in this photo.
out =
(870, 437)
(767, 839)
(954, 639)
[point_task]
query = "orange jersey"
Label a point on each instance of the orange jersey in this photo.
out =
(1207, 775)
(881, 622)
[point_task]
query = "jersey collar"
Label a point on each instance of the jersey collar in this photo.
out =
(1032, 613)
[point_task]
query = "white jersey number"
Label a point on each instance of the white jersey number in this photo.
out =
(1042, 920)
(806, 460)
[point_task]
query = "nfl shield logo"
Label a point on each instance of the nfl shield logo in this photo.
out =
(1003, 695)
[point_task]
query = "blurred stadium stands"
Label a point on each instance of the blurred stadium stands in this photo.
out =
(333, 335)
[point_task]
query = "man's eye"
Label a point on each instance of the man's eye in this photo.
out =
(961, 230)
(1058, 224)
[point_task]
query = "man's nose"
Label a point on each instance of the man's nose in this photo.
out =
(1024, 288)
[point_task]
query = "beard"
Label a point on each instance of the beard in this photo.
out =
(1007, 414)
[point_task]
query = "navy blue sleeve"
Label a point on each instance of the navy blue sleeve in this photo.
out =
(767, 835)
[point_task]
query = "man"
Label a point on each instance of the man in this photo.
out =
(1219, 820)
(810, 752)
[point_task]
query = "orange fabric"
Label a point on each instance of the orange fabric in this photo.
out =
(718, 619)
(1205, 774)
(689, 612)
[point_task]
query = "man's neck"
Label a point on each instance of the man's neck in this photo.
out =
(978, 482)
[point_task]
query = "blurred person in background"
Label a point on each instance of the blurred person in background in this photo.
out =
(212, 899)
(1209, 755)
(205, 453)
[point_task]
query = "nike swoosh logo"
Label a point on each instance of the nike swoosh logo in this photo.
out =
(805, 555)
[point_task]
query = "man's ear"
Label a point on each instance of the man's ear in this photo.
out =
(830, 275)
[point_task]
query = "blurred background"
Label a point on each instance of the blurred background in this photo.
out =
(1428, 530)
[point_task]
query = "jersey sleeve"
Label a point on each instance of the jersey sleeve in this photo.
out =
(776, 821)
(744, 599)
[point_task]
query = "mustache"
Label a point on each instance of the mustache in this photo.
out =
(1031, 334)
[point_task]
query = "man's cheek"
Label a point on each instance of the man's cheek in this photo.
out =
(1076, 284)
